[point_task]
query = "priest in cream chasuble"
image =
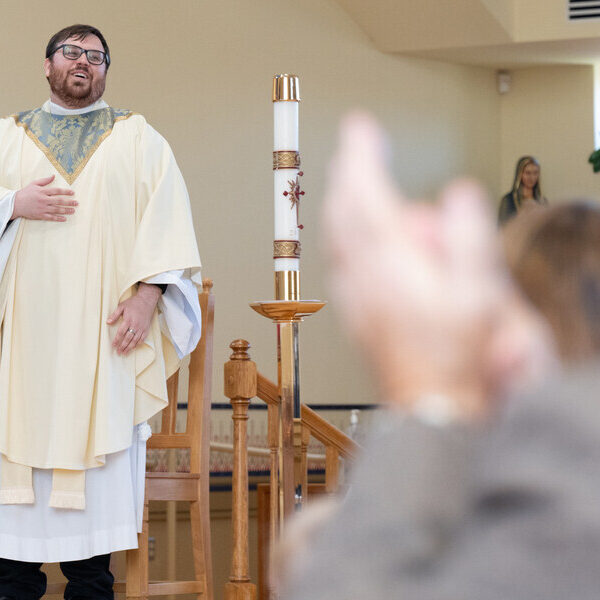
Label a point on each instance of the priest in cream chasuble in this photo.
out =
(63, 280)
(76, 375)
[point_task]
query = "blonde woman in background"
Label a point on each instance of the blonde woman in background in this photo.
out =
(526, 192)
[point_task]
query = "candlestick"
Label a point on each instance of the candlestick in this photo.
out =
(287, 310)
(286, 188)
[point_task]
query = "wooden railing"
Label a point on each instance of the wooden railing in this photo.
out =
(337, 444)
(242, 383)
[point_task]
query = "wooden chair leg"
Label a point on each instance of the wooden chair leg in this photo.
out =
(137, 564)
(201, 553)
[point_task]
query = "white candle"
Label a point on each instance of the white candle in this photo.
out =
(285, 132)
(285, 173)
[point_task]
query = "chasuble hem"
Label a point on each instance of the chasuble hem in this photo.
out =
(68, 548)
(17, 496)
(74, 500)
(110, 522)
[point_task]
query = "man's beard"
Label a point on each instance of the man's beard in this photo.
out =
(75, 96)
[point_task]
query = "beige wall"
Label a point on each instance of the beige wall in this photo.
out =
(503, 11)
(201, 73)
(407, 26)
(549, 113)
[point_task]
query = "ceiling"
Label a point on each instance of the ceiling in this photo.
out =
(504, 34)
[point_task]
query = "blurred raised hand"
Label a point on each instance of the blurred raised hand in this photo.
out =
(423, 287)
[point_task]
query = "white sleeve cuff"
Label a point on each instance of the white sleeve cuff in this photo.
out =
(7, 206)
(8, 233)
(180, 314)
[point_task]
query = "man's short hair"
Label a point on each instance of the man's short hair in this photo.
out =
(78, 32)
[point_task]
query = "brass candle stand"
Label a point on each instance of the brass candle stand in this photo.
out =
(287, 314)
(287, 310)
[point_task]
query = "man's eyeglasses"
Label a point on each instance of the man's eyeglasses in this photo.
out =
(94, 57)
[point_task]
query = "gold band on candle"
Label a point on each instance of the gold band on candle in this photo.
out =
(286, 159)
(286, 88)
(287, 285)
(286, 249)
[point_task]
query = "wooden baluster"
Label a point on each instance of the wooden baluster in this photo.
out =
(273, 424)
(332, 469)
(240, 387)
(305, 442)
(273, 438)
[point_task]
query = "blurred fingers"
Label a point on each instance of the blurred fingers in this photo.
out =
(53, 217)
(469, 237)
(361, 203)
(120, 336)
(44, 180)
(129, 345)
(59, 192)
(127, 338)
(62, 210)
(116, 314)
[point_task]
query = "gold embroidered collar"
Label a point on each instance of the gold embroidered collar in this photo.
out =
(69, 141)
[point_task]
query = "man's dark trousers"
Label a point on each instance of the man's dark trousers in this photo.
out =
(88, 579)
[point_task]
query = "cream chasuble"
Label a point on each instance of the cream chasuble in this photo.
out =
(67, 398)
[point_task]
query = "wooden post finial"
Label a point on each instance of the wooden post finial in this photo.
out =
(240, 372)
(207, 285)
(240, 350)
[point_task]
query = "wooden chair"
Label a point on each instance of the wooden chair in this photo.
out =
(192, 486)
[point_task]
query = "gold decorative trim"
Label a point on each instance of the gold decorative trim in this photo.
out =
(70, 179)
(286, 159)
(286, 88)
(287, 285)
(286, 249)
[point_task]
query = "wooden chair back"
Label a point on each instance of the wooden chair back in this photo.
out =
(199, 395)
(192, 486)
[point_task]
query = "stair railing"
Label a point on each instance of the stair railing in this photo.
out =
(242, 383)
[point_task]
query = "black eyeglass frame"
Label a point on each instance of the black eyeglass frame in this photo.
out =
(105, 57)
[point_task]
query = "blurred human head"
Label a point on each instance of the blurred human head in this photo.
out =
(530, 175)
(554, 256)
(527, 174)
